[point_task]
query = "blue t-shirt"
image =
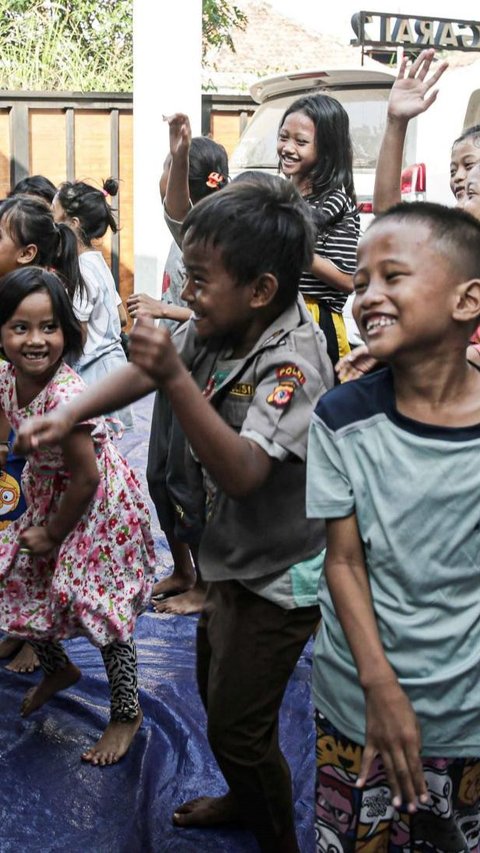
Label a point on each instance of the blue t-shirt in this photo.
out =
(414, 488)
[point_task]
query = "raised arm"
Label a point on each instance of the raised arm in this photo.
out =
(323, 269)
(411, 95)
(117, 390)
(177, 198)
(391, 725)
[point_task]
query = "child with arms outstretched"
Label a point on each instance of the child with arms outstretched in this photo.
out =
(397, 659)
(80, 560)
(243, 389)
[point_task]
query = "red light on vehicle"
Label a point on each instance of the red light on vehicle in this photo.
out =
(414, 180)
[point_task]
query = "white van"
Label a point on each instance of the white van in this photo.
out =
(364, 94)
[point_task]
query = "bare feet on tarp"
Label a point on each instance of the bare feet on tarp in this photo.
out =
(114, 743)
(25, 661)
(184, 604)
(208, 811)
(48, 687)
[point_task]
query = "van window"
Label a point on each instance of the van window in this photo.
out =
(366, 109)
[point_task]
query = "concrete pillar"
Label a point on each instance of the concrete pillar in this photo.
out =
(167, 78)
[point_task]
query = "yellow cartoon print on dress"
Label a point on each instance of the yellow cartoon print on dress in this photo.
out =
(9, 497)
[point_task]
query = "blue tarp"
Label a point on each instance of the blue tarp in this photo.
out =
(51, 801)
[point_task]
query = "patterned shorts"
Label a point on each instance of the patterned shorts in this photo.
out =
(349, 819)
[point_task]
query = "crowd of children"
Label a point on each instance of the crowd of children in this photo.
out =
(281, 491)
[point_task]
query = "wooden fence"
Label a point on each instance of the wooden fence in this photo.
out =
(89, 137)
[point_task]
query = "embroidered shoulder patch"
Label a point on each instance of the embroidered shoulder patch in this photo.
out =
(281, 395)
(291, 371)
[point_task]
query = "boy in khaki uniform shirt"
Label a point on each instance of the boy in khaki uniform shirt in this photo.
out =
(243, 387)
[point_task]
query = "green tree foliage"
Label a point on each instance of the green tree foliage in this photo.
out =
(218, 20)
(84, 45)
(79, 45)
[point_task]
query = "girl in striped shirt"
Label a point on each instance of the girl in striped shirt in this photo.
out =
(315, 153)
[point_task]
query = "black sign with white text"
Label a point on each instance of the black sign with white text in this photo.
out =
(383, 29)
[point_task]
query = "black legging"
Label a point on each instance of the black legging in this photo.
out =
(120, 661)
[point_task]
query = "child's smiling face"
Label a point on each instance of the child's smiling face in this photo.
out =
(404, 290)
(32, 338)
(221, 307)
(465, 156)
(296, 148)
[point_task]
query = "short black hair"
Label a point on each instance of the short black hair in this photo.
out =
(261, 226)
(17, 285)
(455, 232)
(35, 185)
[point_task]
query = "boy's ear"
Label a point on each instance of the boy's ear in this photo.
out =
(264, 290)
(467, 303)
(27, 254)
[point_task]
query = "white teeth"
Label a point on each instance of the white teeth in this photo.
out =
(382, 321)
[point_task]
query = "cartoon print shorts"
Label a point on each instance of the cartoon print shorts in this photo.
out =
(349, 819)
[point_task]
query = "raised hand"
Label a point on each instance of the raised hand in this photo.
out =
(142, 302)
(412, 93)
(355, 364)
(151, 349)
(180, 132)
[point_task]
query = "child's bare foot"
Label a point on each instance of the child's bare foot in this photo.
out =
(171, 586)
(49, 685)
(25, 661)
(9, 645)
(114, 742)
(184, 604)
(208, 811)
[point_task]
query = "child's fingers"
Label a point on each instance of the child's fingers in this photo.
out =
(419, 68)
(369, 754)
(415, 767)
(175, 118)
(431, 98)
(403, 68)
(404, 772)
(436, 75)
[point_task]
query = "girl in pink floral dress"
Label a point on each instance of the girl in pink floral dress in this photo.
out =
(80, 560)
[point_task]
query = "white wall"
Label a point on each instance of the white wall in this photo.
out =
(167, 78)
